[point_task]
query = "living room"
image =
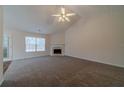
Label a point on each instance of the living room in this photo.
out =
(62, 45)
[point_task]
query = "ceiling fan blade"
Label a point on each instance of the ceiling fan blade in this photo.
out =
(63, 20)
(66, 18)
(63, 10)
(60, 19)
(70, 14)
(56, 15)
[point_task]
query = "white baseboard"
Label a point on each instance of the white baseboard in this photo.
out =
(98, 61)
(29, 57)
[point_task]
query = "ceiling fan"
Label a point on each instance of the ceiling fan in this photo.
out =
(63, 16)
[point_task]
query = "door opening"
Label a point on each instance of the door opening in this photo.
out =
(7, 49)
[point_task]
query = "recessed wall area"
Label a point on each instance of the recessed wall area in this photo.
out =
(57, 42)
(58, 38)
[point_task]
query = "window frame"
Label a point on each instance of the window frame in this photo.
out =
(44, 46)
(35, 44)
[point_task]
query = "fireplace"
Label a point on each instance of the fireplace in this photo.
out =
(57, 51)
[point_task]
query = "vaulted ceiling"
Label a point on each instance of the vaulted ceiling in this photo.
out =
(37, 18)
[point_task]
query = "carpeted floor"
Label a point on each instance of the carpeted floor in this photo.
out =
(61, 71)
(6, 65)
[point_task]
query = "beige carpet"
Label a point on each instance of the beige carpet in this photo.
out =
(62, 71)
(6, 65)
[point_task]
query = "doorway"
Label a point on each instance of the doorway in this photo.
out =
(7, 51)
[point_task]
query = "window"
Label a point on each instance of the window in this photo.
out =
(40, 44)
(34, 44)
(30, 44)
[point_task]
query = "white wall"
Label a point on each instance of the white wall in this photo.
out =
(58, 38)
(99, 39)
(1, 51)
(18, 44)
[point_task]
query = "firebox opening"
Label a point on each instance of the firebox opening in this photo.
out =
(57, 51)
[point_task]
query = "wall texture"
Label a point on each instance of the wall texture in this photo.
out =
(58, 38)
(18, 44)
(1, 51)
(100, 39)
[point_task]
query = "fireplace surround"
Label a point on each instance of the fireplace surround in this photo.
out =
(57, 50)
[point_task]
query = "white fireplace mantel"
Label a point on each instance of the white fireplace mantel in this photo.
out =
(57, 46)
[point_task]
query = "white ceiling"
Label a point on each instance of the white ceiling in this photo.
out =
(32, 18)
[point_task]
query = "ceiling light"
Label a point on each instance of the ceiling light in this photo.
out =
(63, 16)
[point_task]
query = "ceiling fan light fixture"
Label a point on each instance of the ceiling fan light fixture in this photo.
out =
(67, 19)
(63, 16)
(56, 15)
(60, 19)
(63, 10)
(70, 14)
